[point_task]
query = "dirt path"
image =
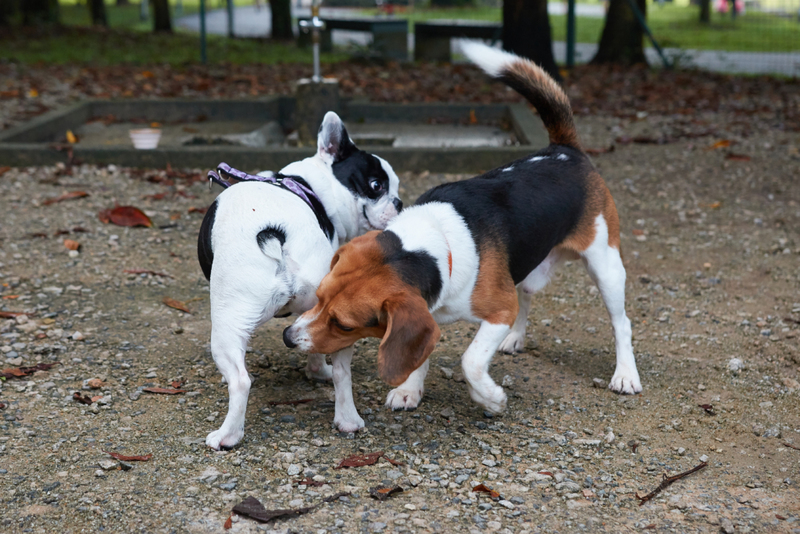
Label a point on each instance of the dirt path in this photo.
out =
(712, 250)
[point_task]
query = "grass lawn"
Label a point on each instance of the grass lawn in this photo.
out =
(673, 26)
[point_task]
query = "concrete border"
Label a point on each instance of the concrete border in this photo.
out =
(32, 143)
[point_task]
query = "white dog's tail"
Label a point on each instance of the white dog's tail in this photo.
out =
(529, 80)
(270, 241)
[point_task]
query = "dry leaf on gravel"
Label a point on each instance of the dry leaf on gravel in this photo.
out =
(70, 244)
(480, 488)
(125, 216)
(10, 314)
(361, 460)
(4, 169)
(228, 523)
(724, 143)
(83, 399)
(382, 493)
(124, 458)
(19, 372)
(178, 305)
(66, 196)
(164, 391)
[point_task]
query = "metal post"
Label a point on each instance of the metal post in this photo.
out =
(570, 34)
(315, 26)
(229, 8)
(203, 55)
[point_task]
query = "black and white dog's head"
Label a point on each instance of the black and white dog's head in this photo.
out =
(364, 188)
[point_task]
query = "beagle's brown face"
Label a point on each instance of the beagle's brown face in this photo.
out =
(362, 297)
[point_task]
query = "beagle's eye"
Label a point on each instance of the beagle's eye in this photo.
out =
(375, 185)
(340, 326)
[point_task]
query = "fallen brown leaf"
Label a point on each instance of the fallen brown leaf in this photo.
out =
(252, 508)
(66, 196)
(10, 314)
(164, 391)
(737, 157)
(4, 169)
(361, 460)
(125, 216)
(124, 458)
(71, 244)
(197, 210)
(309, 482)
(19, 372)
(228, 523)
(3, 405)
(382, 493)
(724, 143)
(71, 137)
(178, 305)
(480, 488)
(81, 398)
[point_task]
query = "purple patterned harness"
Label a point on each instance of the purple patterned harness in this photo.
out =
(294, 184)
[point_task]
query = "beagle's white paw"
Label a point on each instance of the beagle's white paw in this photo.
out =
(514, 342)
(349, 424)
(224, 438)
(493, 398)
(404, 399)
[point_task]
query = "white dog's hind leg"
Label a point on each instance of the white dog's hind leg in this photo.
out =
(228, 345)
(606, 269)
(475, 363)
(408, 395)
(346, 416)
(317, 368)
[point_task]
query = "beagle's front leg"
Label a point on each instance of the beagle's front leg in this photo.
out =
(475, 363)
(346, 416)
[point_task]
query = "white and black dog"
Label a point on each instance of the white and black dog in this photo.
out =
(474, 250)
(264, 249)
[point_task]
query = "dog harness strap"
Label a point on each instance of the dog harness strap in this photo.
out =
(294, 184)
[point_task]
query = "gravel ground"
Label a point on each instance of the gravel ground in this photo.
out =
(711, 247)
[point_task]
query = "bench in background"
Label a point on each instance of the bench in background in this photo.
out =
(432, 38)
(389, 36)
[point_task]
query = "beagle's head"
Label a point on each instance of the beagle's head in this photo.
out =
(366, 294)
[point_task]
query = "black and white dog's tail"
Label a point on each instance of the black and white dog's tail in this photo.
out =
(271, 240)
(529, 80)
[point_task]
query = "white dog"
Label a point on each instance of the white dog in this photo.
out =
(265, 247)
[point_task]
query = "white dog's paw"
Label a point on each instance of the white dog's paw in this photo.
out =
(222, 438)
(350, 424)
(403, 399)
(625, 382)
(514, 342)
(322, 372)
(493, 398)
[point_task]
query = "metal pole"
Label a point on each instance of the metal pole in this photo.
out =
(570, 34)
(315, 26)
(229, 7)
(203, 55)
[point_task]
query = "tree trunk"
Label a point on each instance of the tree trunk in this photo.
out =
(705, 11)
(622, 38)
(161, 16)
(281, 20)
(8, 8)
(526, 32)
(98, 11)
(123, 2)
(35, 12)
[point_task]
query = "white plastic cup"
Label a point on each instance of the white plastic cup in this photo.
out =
(145, 138)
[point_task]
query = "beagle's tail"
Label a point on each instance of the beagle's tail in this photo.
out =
(529, 80)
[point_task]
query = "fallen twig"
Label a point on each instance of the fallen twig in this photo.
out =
(666, 481)
(291, 402)
(795, 447)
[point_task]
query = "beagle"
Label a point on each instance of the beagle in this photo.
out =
(474, 250)
(265, 245)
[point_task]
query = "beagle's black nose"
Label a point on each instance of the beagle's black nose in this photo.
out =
(286, 341)
(398, 205)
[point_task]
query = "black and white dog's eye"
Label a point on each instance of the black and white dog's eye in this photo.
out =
(375, 185)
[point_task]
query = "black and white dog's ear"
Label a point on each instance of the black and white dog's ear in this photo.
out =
(333, 141)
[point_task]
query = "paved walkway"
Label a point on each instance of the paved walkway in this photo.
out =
(250, 21)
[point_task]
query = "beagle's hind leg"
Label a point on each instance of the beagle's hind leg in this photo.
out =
(605, 267)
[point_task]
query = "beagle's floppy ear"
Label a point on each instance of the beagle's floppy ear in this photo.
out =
(334, 260)
(411, 335)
